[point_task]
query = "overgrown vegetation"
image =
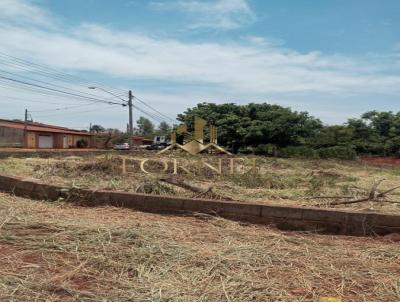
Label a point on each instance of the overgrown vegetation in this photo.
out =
(57, 252)
(277, 131)
(278, 180)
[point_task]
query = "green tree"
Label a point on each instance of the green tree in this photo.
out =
(164, 129)
(97, 128)
(268, 128)
(331, 136)
(145, 126)
(377, 133)
(241, 126)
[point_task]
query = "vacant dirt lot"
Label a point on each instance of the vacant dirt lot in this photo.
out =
(278, 181)
(58, 252)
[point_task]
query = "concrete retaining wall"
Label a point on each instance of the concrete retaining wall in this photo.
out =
(283, 217)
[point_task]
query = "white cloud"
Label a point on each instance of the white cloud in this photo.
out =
(216, 14)
(23, 11)
(248, 70)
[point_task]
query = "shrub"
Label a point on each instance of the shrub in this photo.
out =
(337, 153)
(298, 151)
(81, 143)
(266, 149)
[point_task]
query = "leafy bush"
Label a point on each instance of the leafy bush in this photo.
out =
(266, 149)
(337, 153)
(82, 143)
(298, 151)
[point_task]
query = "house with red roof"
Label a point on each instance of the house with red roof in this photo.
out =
(20, 134)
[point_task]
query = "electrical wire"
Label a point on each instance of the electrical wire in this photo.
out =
(77, 112)
(30, 101)
(152, 108)
(17, 61)
(153, 117)
(68, 78)
(19, 87)
(48, 83)
(63, 108)
(51, 71)
(57, 90)
(148, 114)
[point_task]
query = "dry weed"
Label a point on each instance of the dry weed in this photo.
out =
(57, 252)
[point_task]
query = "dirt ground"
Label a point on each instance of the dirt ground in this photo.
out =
(58, 252)
(277, 181)
(393, 161)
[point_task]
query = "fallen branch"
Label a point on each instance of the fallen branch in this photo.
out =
(373, 195)
(390, 190)
(195, 189)
(182, 184)
(209, 190)
(348, 202)
(328, 197)
(392, 201)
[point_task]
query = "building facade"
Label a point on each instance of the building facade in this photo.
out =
(17, 134)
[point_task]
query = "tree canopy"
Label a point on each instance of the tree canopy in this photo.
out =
(145, 126)
(255, 124)
(163, 129)
(97, 128)
(274, 127)
(265, 128)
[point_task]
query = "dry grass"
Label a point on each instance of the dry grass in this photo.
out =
(282, 181)
(58, 252)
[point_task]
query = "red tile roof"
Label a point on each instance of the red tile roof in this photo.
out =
(38, 127)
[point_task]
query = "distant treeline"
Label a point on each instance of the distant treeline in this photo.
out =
(278, 131)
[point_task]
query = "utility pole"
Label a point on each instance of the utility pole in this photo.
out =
(130, 106)
(25, 129)
(130, 119)
(130, 114)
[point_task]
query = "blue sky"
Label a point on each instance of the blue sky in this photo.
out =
(335, 59)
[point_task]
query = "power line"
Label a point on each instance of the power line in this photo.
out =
(115, 95)
(153, 117)
(51, 71)
(77, 112)
(60, 91)
(63, 108)
(48, 83)
(147, 105)
(24, 88)
(18, 86)
(30, 101)
(26, 67)
(150, 115)
(76, 92)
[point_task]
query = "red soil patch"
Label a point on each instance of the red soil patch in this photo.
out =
(83, 283)
(7, 251)
(20, 257)
(395, 161)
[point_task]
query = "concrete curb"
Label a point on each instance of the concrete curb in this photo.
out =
(284, 217)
